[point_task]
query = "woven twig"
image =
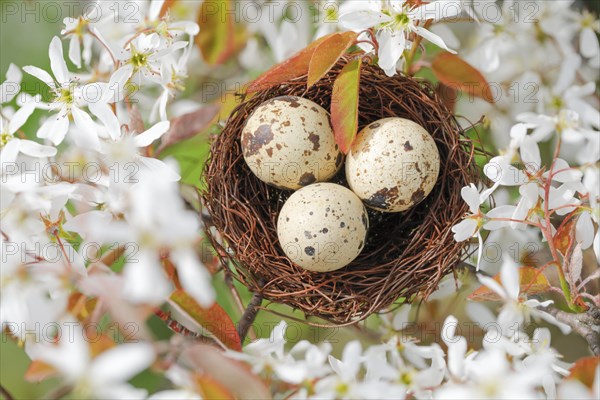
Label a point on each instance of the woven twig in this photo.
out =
(406, 254)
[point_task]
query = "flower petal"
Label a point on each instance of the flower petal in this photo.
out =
(465, 229)
(75, 51)
(107, 117)
(20, 117)
(391, 47)
(584, 230)
(10, 152)
(57, 61)
(121, 363)
(147, 137)
(40, 74)
(509, 274)
(34, 149)
(433, 38)
(362, 19)
(85, 135)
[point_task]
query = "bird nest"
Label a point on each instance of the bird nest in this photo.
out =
(406, 254)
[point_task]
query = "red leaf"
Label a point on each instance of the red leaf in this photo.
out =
(189, 125)
(563, 238)
(220, 37)
(295, 66)
(454, 72)
(531, 281)
(214, 319)
(584, 370)
(344, 104)
(327, 54)
(234, 375)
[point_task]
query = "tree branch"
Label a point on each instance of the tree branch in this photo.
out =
(249, 316)
(586, 324)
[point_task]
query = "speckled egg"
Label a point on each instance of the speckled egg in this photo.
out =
(288, 142)
(322, 227)
(393, 164)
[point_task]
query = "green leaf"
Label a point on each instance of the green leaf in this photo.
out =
(295, 66)
(344, 104)
(214, 319)
(327, 54)
(456, 73)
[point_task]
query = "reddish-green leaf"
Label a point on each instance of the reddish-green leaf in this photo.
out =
(531, 281)
(584, 370)
(295, 66)
(220, 37)
(327, 54)
(188, 125)
(563, 238)
(214, 319)
(344, 104)
(456, 73)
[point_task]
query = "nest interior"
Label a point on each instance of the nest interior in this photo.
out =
(406, 253)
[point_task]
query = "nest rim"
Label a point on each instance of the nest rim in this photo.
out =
(243, 210)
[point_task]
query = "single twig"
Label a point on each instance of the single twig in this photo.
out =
(249, 316)
(5, 393)
(586, 324)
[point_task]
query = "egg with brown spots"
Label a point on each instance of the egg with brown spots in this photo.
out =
(322, 227)
(288, 142)
(393, 164)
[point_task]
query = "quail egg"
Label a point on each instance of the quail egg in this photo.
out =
(322, 227)
(288, 142)
(393, 164)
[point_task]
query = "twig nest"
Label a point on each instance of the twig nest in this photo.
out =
(405, 253)
(393, 164)
(288, 143)
(322, 227)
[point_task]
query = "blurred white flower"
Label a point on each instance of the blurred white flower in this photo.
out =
(11, 146)
(517, 309)
(104, 376)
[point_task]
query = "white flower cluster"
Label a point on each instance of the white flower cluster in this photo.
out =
(541, 59)
(88, 209)
(510, 364)
(557, 53)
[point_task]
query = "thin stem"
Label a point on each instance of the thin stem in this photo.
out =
(112, 56)
(413, 51)
(521, 221)
(5, 393)
(547, 233)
